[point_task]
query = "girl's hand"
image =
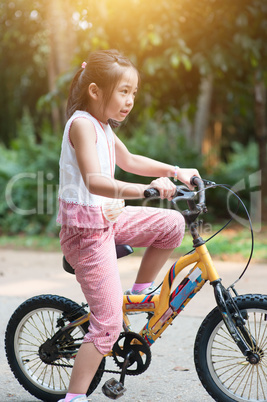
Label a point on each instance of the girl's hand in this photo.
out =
(184, 175)
(165, 186)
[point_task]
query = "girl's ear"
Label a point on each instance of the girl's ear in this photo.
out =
(93, 91)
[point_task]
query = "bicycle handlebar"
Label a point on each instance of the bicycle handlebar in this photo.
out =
(183, 193)
(151, 193)
(196, 181)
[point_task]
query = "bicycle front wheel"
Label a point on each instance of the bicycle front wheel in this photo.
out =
(223, 370)
(40, 360)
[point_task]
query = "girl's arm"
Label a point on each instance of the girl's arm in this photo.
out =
(83, 138)
(144, 166)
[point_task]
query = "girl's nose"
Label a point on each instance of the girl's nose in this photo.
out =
(129, 101)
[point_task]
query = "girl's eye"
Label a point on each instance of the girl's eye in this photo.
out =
(124, 91)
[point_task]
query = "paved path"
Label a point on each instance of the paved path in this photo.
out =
(171, 375)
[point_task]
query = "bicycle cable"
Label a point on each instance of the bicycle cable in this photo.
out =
(222, 228)
(230, 220)
(251, 233)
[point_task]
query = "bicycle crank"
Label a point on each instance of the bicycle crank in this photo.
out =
(132, 347)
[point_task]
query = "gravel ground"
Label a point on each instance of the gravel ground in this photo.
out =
(171, 374)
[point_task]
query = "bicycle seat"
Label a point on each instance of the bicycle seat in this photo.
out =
(121, 249)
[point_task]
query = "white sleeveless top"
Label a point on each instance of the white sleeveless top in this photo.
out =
(77, 206)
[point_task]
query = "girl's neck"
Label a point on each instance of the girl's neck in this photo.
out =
(97, 115)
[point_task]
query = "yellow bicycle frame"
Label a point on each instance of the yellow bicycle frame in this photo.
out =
(167, 305)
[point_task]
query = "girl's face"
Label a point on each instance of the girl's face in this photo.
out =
(122, 98)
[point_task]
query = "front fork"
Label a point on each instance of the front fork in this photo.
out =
(235, 322)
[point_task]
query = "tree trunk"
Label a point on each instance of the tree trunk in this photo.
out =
(61, 38)
(203, 112)
(261, 136)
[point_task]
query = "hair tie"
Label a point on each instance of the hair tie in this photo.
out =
(84, 64)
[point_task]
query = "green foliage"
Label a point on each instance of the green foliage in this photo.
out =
(235, 172)
(173, 43)
(241, 162)
(162, 139)
(23, 59)
(29, 171)
(29, 177)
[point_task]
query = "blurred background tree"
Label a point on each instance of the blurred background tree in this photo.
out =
(203, 90)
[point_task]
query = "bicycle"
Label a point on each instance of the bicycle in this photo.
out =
(230, 352)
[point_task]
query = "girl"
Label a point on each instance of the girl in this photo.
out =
(91, 206)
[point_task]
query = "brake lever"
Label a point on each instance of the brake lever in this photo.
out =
(208, 182)
(183, 193)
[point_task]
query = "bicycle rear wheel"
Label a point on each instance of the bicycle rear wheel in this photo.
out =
(41, 364)
(223, 370)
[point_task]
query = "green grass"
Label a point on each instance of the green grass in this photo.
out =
(233, 244)
(230, 244)
(23, 242)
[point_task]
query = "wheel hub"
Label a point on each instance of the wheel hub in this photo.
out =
(254, 358)
(48, 352)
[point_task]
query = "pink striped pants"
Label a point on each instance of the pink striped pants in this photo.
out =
(92, 254)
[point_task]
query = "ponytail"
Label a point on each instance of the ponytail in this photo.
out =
(77, 99)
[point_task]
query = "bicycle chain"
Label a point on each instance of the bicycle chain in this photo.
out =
(144, 348)
(60, 365)
(100, 370)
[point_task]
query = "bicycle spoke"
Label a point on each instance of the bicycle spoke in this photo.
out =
(261, 383)
(34, 331)
(234, 372)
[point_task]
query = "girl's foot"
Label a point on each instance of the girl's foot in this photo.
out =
(80, 398)
(153, 290)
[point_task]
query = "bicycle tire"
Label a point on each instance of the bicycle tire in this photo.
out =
(32, 323)
(222, 369)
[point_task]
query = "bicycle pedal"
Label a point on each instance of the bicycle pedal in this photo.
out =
(113, 389)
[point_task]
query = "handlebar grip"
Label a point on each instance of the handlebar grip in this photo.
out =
(197, 181)
(151, 192)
